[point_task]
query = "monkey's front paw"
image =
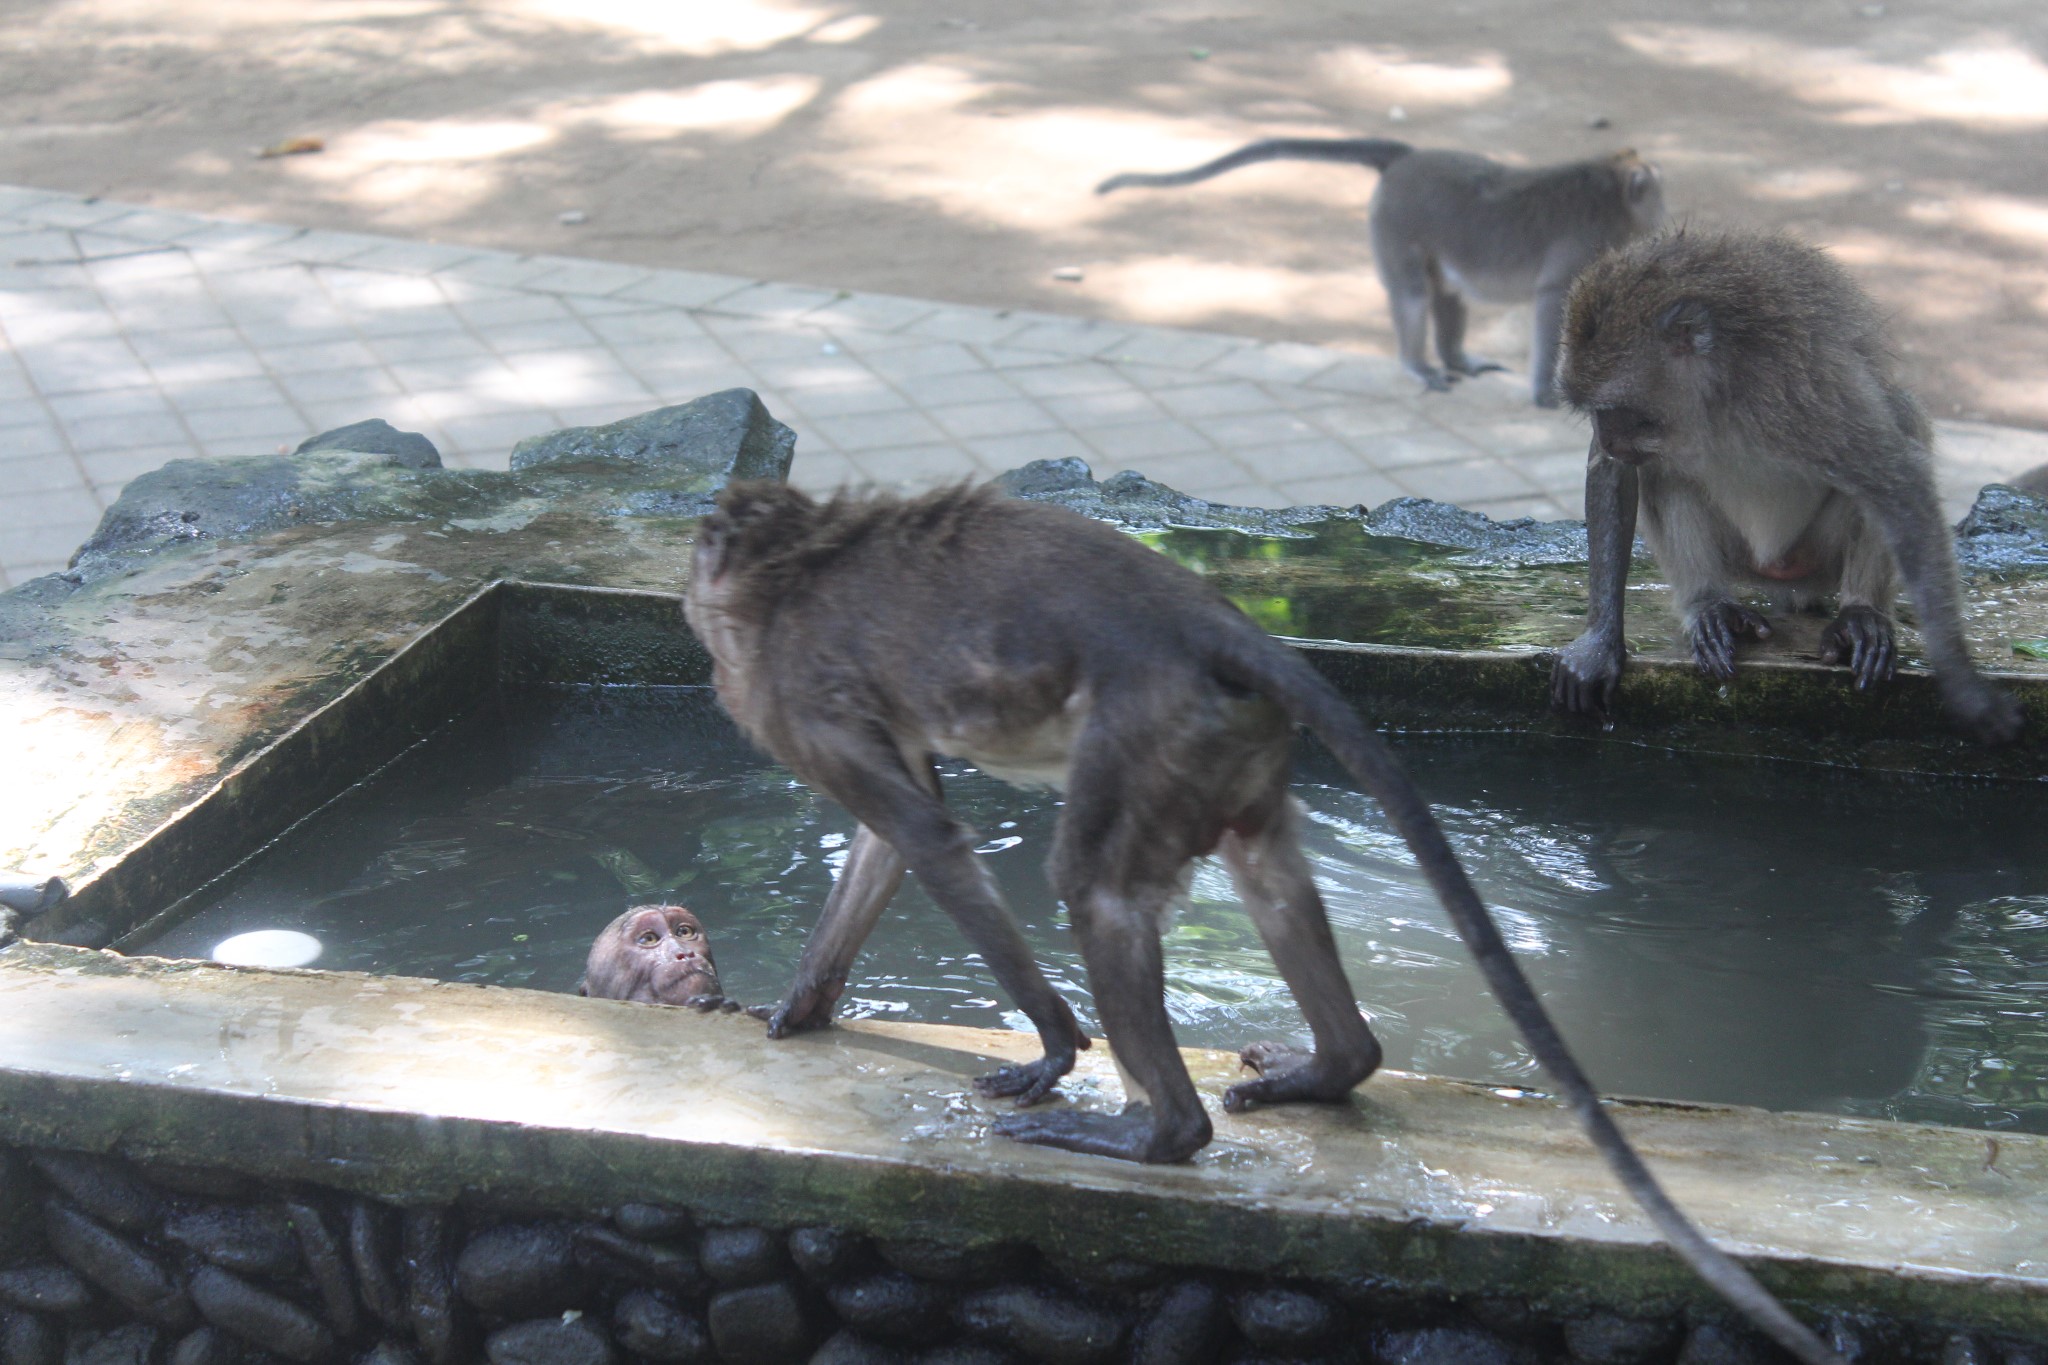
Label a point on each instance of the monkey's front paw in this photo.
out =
(1029, 1082)
(1861, 637)
(1587, 671)
(807, 1007)
(1989, 715)
(1715, 629)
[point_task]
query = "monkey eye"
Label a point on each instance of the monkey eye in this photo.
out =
(648, 939)
(685, 931)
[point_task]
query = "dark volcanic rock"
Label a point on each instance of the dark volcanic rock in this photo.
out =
(550, 1341)
(440, 1324)
(827, 1254)
(260, 1317)
(652, 1328)
(953, 1263)
(20, 1220)
(204, 1182)
(1451, 1346)
(372, 1250)
(206, 1346)
(1132, 500)
(524, 1269)
(46, 1288)
(29, 1339)
(2006, 530)
(104, 1188)
(892, 1306)
(1523, 541)
(763, 1324)
(127, 1273)
(722, 435)
(651, 1264)
(736, 1257)
(327, 1262)
(1713, 1343)
(652, 1222)
(966, 1353)
(850, 1348)
(389, 1353)
(1276, 1317)
(1043, 1326)
(249, 1241)
(1187, 1327)
(376, 437)
(134, 1344)
(1610, 1339)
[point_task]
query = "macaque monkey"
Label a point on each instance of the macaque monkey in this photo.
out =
(1742, 394)
(2034, 481)
(859, 638)
(658, 955)
(1447, 223)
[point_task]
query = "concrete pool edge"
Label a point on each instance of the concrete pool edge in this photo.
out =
(412, 1090)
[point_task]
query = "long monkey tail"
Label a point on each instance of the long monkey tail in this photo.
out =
(1287, 678)
(1377, 152)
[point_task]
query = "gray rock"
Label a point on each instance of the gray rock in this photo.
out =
(956, 1263)
(20, 1211)
(965, 1353)
(726, 435)
(1610, 1339)
(1131, 500)
(206, 1346)
(892, 1306)
(128, 1274)
(652, 1222)
(649, 1264)
(1713, 1343)
(1112, 1272)
(204, 1182)
(1451, 1346)
(827, 1254)
(45, 1288)
(652, 1328)
(524, 1269)
(1274, 1316)
(134, 1344)
(103, 1187)
(850, 1348)
(1186, 1327)
(2006, 530)
(29, 1339)
(1963, 1349)
(261, 1318)
(321, 1249)
(735, 1257)
(248, 1241)
(389, 1353)
(376, 437)
(440, 1323)
(1523, 541)
(31, 893)
(372, 1251)
(1043, 1326)
(550, 1341)
(763, 1324)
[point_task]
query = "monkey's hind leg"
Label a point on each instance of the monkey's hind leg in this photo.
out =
(1447, 308)
(1406, 279)
(1279, 891)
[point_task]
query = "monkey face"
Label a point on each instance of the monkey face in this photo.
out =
(656, 954)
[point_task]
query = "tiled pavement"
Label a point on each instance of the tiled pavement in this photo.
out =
(130, 336)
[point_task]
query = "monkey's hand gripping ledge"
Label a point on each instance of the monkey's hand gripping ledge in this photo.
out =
(410, 1089)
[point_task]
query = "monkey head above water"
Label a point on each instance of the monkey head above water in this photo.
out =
(1743, 396)
(656, 954)
(860, 638)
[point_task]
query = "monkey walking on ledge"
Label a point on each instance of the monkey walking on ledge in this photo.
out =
(858, 638)
(1447, 223)
(1743, 397)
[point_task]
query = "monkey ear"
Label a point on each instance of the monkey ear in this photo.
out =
(1641, 180)
(1688, 327)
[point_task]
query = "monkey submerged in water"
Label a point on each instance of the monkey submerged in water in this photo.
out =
(657, 955)
(1447, 223)
(857, 639)
(1743, 395)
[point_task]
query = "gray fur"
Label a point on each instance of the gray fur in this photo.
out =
(1744, 397)
(1445, 224)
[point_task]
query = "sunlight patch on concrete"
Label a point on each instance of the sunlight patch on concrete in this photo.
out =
(457, 140)
(2008, 218)
(1805, 183)
(1190, 291)
(699, 29)
(1366, 76)
(1993, 81)
(735, 108)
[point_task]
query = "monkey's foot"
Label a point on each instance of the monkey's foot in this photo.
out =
(1433, 379)
(1473, 364)
(1861, 637)
(1716, 627)
(1587, 671)
(807, 1007)
(1291, 1075)
(1133, 1135)
(1030, 1082)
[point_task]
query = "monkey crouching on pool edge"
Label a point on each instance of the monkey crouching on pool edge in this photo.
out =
(858, 639)
(1744, 398)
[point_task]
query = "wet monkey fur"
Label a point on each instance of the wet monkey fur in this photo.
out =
(1444, 224)
(1744, 400)
(857, 639)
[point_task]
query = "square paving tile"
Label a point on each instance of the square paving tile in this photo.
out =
(965, 386)
(270, 421)
(683, 288)
(857, 432)
(998, 453)
(110, 470)
(918, 466)
(1136, 440)
(1085, 412)
(926, 361)
(1361, 486)
(1004, 417)
(1464, 482)
(47, 472)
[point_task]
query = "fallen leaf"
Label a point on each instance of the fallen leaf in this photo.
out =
(294, 146)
